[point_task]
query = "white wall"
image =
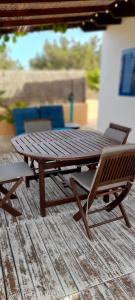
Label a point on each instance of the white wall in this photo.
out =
(112, 107)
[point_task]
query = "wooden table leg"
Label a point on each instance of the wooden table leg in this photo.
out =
(42, 189)
(26, 178)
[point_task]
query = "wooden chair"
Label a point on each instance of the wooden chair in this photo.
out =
(37, 125)
(12, 173)
(118, 133)
(114, 176)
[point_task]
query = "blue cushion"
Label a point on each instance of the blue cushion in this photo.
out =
(23, 114)
(53, 113)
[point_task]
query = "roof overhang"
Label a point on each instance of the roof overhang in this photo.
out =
(90, 15)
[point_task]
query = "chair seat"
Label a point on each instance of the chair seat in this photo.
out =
(14, 170)
(84, 179)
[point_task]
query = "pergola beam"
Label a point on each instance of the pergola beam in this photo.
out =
(91, 26)
(51, 11)
(50, 1)
(15, 15)
(124, 9)
(47, 21)
(107, 19)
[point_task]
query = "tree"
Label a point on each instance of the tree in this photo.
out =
(71, 55)
(6, 62)
(65, 54)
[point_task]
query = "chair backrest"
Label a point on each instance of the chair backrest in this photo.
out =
(37, 125)
(22, 114)
(117, 132)
(116, 165)
(55, 114)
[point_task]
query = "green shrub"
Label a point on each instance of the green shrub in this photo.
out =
(7, 115)
(93, 79)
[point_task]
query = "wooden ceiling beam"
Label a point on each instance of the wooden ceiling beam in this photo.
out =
(51, 11)
(91, 27)
(44, 1)
(39, 21)
(35, 18)
(86, 27)
(49, 21)
(107, 19)
(124, 9)
(133, 2)
(76, 24)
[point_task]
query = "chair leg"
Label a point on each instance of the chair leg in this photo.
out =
(106, 198)
(27, 182)
(4, 191)
(11, 210)
(78, 168)
(118, 198)
(83, 215)
(5, 199)
(32, 163)
(122, 209)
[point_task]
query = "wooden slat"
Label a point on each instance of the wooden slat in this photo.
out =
(128, 285)
(2, 285)
(109, 265)
(10, 277)
(25, 282)
(35, 268)
(100, 292)
(122, 288)
(78, 275)
(117, 290)
(51, 278)
(116, 248)
(88, 260)
(57, 259)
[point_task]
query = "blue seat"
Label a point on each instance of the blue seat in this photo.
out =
(55, 114)
(22, 114)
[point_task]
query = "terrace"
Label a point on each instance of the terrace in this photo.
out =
(51, 257)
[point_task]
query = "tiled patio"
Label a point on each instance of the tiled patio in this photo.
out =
(51, 258)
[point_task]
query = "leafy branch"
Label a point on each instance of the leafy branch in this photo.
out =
(4, 38)
(7, 114)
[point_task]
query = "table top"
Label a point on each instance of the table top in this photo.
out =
(61, 144)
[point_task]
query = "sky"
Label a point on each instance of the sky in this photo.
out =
(28, 46)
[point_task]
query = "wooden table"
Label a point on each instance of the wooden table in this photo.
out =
(57, 149)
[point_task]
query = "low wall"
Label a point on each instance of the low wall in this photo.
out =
(42, 86)
(80, 113)
(92, 112)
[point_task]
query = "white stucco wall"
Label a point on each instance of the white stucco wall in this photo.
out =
(112, 107)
